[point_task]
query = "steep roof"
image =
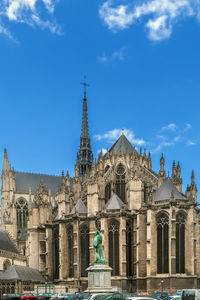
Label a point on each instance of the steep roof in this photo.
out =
(114, 203)
(22, 273)
(123, 145)
(79, 208)
(26, 180)
(165, 190)
(6, 243)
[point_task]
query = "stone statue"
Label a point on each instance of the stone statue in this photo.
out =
(97, 244)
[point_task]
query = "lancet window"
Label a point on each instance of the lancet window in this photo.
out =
(113, 237)
(56, 251)
(162, 243)
(180, 243)
(129, 248)
(84, 249)
(120, 182)
(22, 213)
(107, 192)
(70, 241)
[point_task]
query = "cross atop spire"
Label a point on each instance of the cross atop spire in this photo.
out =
(85, 84)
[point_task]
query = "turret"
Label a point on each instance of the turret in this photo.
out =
(176, 176)
(174, 170)
(5, 177)
(192, 189)
(162, 173)
(84, 156)
(149, 161)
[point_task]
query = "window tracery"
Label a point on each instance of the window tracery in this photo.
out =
(56, 251)
(129, 248)
(120, 182)
(84, 247)
(113, 237)
(22, 213)
(162, 243)
(180, 243)
(107, 192)
(70, 240)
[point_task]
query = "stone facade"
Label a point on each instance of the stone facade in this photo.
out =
(150, 228)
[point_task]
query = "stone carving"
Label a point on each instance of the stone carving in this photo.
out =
(97, 244)
(41, 195)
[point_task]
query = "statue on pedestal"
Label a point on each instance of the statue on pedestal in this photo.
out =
(97, 244)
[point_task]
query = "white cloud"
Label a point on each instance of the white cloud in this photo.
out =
(103, 150)
(29, 12)
(191, 143)
(103, 58)
(160, 15)
(116, 55)
(171, 127)
(187, 126)
(112, 135)
(162, 145)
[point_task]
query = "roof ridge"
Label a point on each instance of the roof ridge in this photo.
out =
(50, 175)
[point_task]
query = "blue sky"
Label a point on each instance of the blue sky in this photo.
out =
(142, 62)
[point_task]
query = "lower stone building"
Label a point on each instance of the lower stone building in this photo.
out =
(150, 227)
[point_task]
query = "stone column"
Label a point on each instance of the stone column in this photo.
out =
(63, 251)
(122, 247)
(92, 228)
(149, 242)
(104, 232)
(189, 247)
(34, 249)
(76, 250)
(172, 234)
(49, 257)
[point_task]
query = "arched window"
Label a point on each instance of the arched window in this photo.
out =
(129, 248)
(162, 243)
(70, 240)
(6, 264)
(107, 191)
(180, 243)
(22, 213)
(56, 251)
(120, 182)
(84, 249)
(113, 237)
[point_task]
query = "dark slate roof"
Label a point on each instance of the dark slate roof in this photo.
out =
(6, 243)
(165, 190)
(114, 203)
(22, 273)
(26, 180)
(123, 145)
(79, 208)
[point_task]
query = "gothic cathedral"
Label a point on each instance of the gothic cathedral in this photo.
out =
(150, 228)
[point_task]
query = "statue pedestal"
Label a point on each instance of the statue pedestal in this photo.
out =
(99, 279)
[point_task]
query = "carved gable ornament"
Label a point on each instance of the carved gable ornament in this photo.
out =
(41, 195)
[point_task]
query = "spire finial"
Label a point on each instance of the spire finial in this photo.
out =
(85, 84)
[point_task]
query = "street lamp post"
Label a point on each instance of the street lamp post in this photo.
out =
(162, 281)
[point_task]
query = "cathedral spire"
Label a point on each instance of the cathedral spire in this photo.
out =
(85, 156)
(5, 161)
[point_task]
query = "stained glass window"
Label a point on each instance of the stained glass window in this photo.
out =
(84, 248)
(113, 236)
(180, 243)
(162, 243)
(70, 240)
